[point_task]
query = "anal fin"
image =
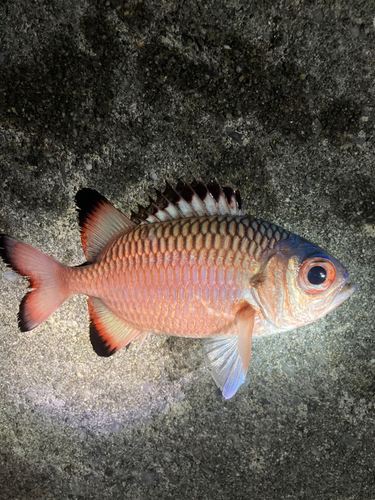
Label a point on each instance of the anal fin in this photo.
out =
(108, 332)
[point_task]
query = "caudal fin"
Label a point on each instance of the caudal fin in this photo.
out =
(45, 276)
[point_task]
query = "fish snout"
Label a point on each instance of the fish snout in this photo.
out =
(346, 291)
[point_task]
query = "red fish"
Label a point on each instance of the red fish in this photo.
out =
(190, 265)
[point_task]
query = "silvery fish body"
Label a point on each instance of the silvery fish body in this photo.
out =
(189, 265)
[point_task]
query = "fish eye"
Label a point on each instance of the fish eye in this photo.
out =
(316, 274)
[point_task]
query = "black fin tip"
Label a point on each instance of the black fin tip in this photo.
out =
(99, 345)
(86, 199)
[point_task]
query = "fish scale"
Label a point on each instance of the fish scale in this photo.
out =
(191, 270)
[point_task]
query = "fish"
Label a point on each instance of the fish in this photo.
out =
(190, 264)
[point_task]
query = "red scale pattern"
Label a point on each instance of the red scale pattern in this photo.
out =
(184, 277)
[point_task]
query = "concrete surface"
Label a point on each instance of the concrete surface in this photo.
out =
(276, 98)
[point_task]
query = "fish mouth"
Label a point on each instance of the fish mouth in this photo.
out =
(346, 291)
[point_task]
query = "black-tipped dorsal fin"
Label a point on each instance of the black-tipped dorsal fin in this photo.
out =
(99, 221)
(190, 200)
(108, 332)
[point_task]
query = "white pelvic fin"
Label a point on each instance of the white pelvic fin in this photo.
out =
(142, 339)
(224, 360)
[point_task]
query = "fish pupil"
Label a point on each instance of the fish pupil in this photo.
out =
(317, 275)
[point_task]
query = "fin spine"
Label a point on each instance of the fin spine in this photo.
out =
(190, 200)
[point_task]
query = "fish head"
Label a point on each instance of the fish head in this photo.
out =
(300, 283)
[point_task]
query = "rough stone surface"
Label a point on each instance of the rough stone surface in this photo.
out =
(276, 98)
(10, 276)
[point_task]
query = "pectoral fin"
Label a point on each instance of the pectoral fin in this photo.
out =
(245, 321)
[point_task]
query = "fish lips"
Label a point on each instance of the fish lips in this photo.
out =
(346, 291)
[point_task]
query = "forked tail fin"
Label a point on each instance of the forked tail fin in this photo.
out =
(46, 277)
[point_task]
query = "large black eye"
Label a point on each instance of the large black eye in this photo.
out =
(317, 275)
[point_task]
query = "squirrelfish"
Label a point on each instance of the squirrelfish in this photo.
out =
(190, 265)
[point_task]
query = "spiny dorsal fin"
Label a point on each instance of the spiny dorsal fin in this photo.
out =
(190, 200)
(99, 221)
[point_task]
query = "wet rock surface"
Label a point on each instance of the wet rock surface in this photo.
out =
(276, 99)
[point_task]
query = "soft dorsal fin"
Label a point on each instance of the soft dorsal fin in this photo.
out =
(190, 200)
(99, 221)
